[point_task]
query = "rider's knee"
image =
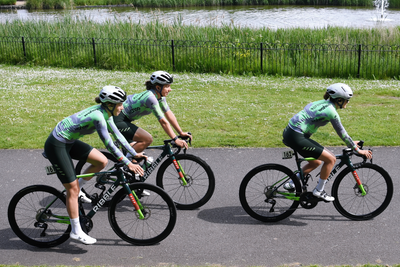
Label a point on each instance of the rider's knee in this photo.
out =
(331, 160)
(149, 140)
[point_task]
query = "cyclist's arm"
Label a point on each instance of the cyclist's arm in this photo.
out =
(118, 136)
(101, 127)
(174, 123)
(167, 127)
(337, 125)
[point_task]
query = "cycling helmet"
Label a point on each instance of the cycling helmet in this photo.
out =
(340, 90)
(161, 77)
(112, 94)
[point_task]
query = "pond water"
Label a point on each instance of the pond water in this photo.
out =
(242, 16)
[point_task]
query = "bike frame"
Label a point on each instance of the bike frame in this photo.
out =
(344, 160)
(114, 185)
(166, 151)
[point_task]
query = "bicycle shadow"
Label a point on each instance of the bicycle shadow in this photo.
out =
(11, 241)
(236, 215)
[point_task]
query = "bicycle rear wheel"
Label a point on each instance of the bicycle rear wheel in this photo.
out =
(262, 194)
(348, 199)
(159, 211)
(199, 177)
(31, 224)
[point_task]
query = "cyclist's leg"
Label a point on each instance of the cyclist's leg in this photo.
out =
(329, 160)
(138, 138)
(310, 148)
(142, 138)
(310, 166)
(59, 155)
(97, 162)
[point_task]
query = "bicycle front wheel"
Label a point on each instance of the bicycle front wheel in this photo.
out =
(35, 215)
(348, 198)
(159, 215)
(199, 177)
(262, 194)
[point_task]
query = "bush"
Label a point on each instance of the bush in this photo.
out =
(48, 4)
(8, 2)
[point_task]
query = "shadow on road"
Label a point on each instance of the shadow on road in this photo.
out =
(236, 215)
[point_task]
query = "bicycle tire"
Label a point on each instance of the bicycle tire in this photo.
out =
(24, 208)
(348, 199)
(260, 196)
(160, 215)
(200, 181)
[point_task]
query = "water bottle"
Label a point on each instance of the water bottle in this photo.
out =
(148, 163)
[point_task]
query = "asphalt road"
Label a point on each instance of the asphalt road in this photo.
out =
(220, 232)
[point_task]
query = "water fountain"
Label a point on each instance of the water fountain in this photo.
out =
(381, 6)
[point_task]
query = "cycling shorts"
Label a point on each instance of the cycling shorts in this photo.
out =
(125, 126)
(61, 154)
(302, 144)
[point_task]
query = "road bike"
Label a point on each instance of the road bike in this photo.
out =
(38, 216)
(361, 190)
(188, 179)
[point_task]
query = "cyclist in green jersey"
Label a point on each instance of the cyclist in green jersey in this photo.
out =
(302, 125)
(63, 145)
(150, 101)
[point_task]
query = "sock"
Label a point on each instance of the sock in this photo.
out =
(321, 184)
(82, 182)
(75, 226)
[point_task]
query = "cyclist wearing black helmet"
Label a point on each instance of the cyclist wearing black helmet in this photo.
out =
(153, 100)
(63, 145)
(302, 125)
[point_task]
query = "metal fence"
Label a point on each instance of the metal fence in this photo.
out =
(313, 60)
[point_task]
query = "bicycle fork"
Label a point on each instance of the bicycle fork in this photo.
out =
(358, 181)
(135, 202)
(180, 171)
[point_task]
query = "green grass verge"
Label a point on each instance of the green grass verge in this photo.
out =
(220, 110)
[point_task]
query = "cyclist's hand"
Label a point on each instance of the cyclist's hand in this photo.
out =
(181, 143)
(366, 153)
(187, 135)
(136, 168)
(140, 155)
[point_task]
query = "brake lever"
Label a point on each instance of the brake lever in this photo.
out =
(188, 140)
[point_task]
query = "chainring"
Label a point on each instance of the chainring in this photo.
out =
(308, 200)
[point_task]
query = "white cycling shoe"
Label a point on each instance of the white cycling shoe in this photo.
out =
(83, 197)
(289, 185)
(322, 194)
(84, 238)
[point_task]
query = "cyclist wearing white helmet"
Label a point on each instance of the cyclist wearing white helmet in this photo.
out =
(63, 145)
(153, 100)
(302, 125)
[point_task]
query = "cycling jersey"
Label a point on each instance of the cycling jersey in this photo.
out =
(317, 114)
(88, 121)
(142, 104)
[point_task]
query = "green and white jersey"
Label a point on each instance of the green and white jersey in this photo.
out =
(145, 103)
(317, 114)
(88, 121)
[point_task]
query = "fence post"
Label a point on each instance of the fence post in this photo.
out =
(173, 55)
(94, 51)
(359, 60)
(23, 46)
(261, 57)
